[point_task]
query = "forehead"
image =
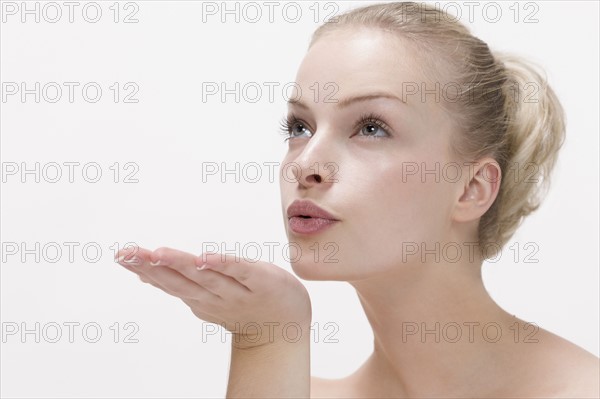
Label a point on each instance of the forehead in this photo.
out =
(368, 61)
(356, 62)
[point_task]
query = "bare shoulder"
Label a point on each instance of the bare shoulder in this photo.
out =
(584, 375)
(562, 369)
(550, 367)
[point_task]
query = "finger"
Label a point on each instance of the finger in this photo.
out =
(193, 304)
(173, 283)
(245, 272)
(148, 280)
(165, 256)
(185, 263)
(132, 256)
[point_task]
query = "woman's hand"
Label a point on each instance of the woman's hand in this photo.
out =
(260, 303)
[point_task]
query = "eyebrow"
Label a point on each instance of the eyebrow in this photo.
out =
(351, 100)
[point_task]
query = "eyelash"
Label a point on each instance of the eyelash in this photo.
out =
(369, 118)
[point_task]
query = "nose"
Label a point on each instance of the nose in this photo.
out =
(315, 165)
(308, 177)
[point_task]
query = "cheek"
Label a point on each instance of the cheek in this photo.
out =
(400, 197)
(389, 212)
(395, 210)
(388, 207)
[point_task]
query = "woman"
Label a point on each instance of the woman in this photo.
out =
(418, 159)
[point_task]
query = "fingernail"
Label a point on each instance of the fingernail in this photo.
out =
(201, 267)
(135, 260)
(157, 263)
(120, 258)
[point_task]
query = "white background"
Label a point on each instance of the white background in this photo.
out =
(170, 132)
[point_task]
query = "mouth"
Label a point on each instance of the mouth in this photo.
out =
(305, 225)
(307, 209)
(306, 217)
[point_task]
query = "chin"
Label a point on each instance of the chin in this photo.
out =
(307, 270)
(310, 270)
(314, 271)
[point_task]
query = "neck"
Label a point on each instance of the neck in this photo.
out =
(428, 324)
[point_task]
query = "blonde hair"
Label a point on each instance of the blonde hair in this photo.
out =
(495, 113)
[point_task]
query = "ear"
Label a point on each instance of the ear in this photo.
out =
(482, 184)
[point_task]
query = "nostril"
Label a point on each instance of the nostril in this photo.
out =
(318, 178)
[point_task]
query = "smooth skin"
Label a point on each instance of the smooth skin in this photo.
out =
(235, 293)
(379, 212)
(382, 208)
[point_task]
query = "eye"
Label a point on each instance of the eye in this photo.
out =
(372, 130)
(292, 127)
(372, 126)
(368, 125)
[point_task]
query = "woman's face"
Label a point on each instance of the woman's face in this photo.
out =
(386, 186)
